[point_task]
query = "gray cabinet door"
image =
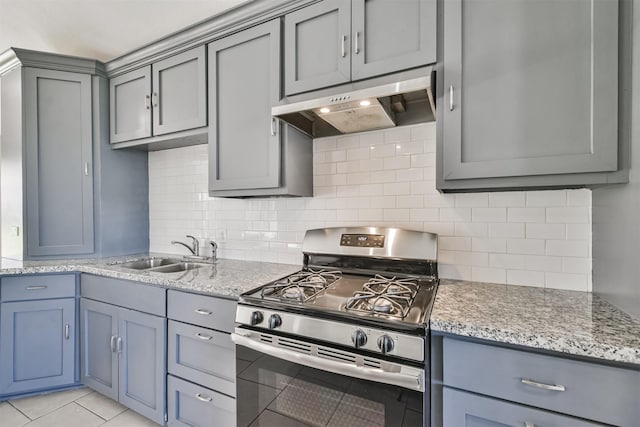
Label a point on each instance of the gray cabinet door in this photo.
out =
(391, 35)
(179, 96)
(462, 409)
(37, 345)
(130, 105)
(98, 346)
(244, 82)
(317, 46)
(142, 352)
(530, 88)
(59, 175)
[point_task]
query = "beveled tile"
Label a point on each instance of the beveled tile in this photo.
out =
(101, 405)
(71, 415)
(37, 406)
(129, 419)
(11, 417)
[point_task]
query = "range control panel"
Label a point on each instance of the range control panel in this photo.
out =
(363, 240)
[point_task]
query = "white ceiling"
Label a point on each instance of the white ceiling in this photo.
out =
(100, 29)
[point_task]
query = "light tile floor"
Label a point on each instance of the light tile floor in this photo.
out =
(73, 408)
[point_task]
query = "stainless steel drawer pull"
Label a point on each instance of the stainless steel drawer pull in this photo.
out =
(529, 424)
(155, 99)
(113, 343)
(202, 311)
(119, 345)
(66, 331)
(274, 127)
(356, 39)
(203, 398)
(552, 387)
(36, 288)
(147, 102)
(344, 46)
(203, 336)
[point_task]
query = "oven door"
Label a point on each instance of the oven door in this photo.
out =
(287, 382)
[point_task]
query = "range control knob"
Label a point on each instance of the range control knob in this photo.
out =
(256, 318)
(274, 321)
(359, 338)
(385, 344)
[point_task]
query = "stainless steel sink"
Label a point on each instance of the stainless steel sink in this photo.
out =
(181, 266)
(149, 263)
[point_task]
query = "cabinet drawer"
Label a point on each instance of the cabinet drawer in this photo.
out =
(201, 310)
(203, 356)
(124, 293)
(192, 405)
(470, 410)
(37, 287)
(588, 390)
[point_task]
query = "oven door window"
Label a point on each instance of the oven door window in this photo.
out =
(272, 392)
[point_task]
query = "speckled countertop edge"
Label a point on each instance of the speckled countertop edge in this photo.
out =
(575, 323)
(225, 278)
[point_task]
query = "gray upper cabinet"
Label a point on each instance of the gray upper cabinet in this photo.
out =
(337, 41)
(59, 163)
(250, 153)
(529, 89)
(165, 97)
(130, 105)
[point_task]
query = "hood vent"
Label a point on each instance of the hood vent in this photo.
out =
(376, 107)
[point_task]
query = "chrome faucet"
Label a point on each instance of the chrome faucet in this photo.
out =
(214, 249)
(194, 248)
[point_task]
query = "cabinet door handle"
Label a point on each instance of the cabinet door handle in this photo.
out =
(203, 336)
(451, 98)
(203, 398)
(36, 288)
(155, 99)
(66, 331)
(86, 168)
(119, 345)
(529, 424)
(274, 126)
(147, 102)
(202, 311)
(552, 387)
(356, 39)
(113, 343)
(344, 45)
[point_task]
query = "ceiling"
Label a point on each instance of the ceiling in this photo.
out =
(100, 29)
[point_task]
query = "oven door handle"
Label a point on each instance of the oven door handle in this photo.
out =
(408, 377)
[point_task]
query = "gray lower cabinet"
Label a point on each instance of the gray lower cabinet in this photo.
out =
(201, 361)
(123, 350)
(165, 97)
(488, 385)
(337, 41)
(528, 94)
(37, 333)
(251, 153)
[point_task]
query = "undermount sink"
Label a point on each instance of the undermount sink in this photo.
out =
(149, 263)
(162, 265)
(181, 266)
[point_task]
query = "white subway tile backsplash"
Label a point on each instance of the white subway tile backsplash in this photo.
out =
(386, 178)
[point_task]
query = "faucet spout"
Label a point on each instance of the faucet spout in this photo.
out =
(193, 252)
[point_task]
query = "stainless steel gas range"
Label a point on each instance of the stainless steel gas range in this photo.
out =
(344, 341)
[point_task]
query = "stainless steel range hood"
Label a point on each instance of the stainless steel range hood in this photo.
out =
(373, 104)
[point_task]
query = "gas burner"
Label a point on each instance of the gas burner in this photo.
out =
(384, 295)
(300, 286)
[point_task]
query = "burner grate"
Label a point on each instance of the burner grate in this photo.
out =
(300, 286)
(384, 295)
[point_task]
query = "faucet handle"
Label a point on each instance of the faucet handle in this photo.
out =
(214, 249)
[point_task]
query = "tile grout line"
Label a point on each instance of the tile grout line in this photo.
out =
(84, 407)
(14, 407)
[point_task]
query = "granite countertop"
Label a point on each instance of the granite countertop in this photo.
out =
(225, 278)
(577, 323)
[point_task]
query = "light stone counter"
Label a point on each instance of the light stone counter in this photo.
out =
(577, 323)
(225, 278)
